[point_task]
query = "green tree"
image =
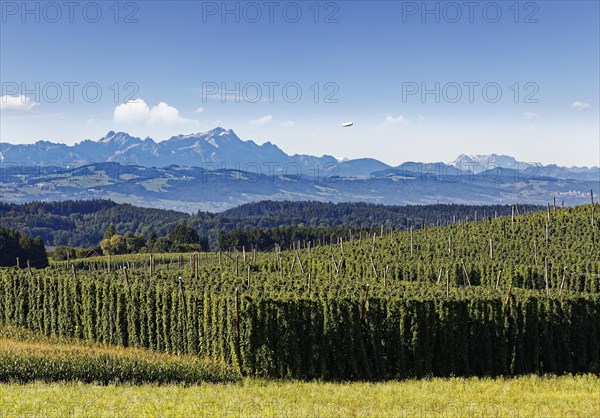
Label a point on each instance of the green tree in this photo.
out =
(113, 245)
(162, 245)
(110, 231)
(134, 243)
(14, 244)
(63, 252)
(105, 246)
(117, 244)
(183, 234)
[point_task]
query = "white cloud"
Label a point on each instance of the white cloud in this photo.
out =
(20, 103)
(159, 120)
(531, 115)
(579, 106)
(399, 120)
(421, 118)
(287, 124)
(261, 121)
(134, 111)
(200, 110)
(163, 113)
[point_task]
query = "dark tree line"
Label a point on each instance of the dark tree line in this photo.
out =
(285, 236)
(181, 239)
(16, 245)
(83, 223)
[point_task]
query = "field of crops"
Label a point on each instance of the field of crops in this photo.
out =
(26, 356)
(506, 296)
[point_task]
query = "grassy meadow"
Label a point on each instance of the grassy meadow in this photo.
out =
(564, 396)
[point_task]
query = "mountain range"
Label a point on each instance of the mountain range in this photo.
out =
(212, 150)
(216, 170)
(220, 149)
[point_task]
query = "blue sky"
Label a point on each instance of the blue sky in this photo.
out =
(353, 61)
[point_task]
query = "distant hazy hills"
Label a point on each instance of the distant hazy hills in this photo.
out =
(216, 170)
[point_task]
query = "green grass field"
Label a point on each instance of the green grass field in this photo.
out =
(565, 396)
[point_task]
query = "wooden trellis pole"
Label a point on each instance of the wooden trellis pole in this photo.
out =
(73, 273)
(385, 271)
(546, 274)
(237, 327)
(126, 277)
(562, 282)
(374, 269)
(592, 200)
(508, 293)
(300, 261)
(465, 272)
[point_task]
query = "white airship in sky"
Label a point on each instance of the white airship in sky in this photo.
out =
(347, 124)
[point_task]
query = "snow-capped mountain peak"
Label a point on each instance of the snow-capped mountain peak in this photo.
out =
(481, 162)
(117, 138)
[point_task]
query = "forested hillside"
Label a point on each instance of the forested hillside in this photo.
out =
(83, 223)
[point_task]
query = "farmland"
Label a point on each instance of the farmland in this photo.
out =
(502, 313)
(506, 296)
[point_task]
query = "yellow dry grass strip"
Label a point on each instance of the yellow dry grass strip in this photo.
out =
(8, 344)
(26, 341)
(528, 396)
